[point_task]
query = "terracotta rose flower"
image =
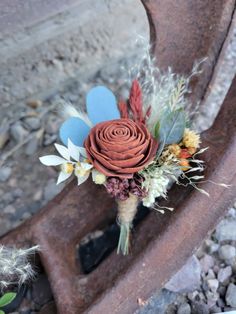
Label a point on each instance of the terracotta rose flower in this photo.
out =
(119, 148)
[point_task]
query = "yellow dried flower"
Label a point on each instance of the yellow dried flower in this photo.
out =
(98, 177)
(191, 139)
(67, 167)
(174, 149)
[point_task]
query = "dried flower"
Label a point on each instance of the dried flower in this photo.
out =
(98, 177)
(191, 139)
(69, 161)
(135, 102)
(184, 153)
(174, 149)
(192, 150)
(123, 109)
(118, 188)
(184, 163)
(119, 148)
(82, 171)
(122, 188)
(155, 183)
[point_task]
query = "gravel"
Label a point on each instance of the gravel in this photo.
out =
(32, 123)
(231, 295)
(18, 132)
(184, 309)
(227, 252)
(5, 173)
(226, 230)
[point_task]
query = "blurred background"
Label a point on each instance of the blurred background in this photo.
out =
(52, 53)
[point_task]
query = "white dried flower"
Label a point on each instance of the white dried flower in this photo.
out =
(156, 184)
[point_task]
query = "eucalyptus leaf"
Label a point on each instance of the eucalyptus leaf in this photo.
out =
(172, 127)
(160, 148)
(1, 312)
(7, 298)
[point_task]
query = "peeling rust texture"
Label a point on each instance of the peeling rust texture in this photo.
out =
(161, 243)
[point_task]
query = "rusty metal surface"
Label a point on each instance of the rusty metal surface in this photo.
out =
(185, 31)
(161, 244)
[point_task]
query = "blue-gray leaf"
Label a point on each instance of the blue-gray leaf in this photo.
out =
(172, 127)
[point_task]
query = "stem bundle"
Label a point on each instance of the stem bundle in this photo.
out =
(126, 212)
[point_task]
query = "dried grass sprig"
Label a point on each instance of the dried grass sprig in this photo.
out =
(68, 110)
(15, 268)
(135, 102)
(162, 89)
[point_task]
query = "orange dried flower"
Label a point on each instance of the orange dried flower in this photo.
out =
(184, 153)
(184, 163)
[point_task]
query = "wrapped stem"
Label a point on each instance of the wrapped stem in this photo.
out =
(126, 212)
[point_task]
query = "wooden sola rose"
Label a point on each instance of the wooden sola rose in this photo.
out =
(135, 149)
(119, 149)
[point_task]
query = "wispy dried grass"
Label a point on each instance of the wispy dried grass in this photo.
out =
(15, 268)
(162, 89)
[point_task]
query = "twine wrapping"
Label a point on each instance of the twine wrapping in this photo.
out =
(126, 212)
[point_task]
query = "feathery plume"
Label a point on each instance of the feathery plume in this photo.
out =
(15, 267)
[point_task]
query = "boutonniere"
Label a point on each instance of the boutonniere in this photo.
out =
(136, 148)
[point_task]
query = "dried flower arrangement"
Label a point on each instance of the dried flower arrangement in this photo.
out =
(135, 148)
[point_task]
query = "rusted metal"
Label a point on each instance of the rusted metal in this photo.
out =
(161, 243)
(183, 32)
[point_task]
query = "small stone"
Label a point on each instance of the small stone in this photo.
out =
(17, 193)
(213, 284)
(210, 274)
(199, 308)
(52, 126)
(187, 279)
(230, 297)
(216, 269)
(4, 135)
(220, 302)
(31, 146)
(222, 290)
(212, 246)
(207, 262)
(32, 123)
(215, 309)
(229, 310)
(231, 213)
(49, 139)
(226, 230)
(13, 182)
(38, 195)
(224, 274)
(9, 209)
(18, 132)
(5, 173)
(226, 252)
(34, 103)
(184, 309)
